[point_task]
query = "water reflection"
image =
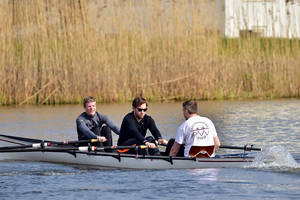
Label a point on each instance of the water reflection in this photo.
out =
(209, 174)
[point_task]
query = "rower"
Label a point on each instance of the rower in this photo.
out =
(195, 137)
(94, 125)
(134, 128)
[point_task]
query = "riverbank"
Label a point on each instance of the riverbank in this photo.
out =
(57, 52)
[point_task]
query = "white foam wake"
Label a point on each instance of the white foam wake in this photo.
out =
(275, 157)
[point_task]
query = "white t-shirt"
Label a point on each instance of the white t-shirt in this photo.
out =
(196, 131)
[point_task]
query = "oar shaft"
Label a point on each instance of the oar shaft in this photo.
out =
(246, 148)
(45, 144)
(76, 142)
(41, 144)
(35, 146)
(61, 149)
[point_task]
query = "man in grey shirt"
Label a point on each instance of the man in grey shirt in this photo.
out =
(93, 125)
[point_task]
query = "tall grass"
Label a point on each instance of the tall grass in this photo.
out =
(58, 51)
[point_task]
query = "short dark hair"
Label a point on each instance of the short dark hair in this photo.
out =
(88, 99)
(190, 106)
(137, 101)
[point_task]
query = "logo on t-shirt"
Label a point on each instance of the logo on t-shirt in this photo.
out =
(200, 130)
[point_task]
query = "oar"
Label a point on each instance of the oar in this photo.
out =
(21, 139)
(35, 145)
(246, 148)
(48, 143)
(66, 149)
(30, 140)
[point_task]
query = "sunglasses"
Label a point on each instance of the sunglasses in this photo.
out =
(140, 109)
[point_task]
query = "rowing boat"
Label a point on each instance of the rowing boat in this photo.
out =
(39, 150)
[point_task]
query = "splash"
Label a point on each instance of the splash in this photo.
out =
(277, 158)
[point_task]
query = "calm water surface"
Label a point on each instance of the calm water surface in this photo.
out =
(272, 125)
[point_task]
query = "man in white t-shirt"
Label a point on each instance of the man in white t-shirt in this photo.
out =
(196, 131)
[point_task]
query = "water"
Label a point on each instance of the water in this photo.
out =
(272, 125)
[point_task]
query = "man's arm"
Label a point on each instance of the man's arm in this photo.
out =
(81, 126)
(110, 124)
(217, 143)
(153, 129)
(175, 148)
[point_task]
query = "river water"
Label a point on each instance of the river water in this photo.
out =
(272, 125)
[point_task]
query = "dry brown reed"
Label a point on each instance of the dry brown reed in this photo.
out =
(58, 51)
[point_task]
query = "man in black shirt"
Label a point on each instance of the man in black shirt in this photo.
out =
(135, 125)
(93, 125)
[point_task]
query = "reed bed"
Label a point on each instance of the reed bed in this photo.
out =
(58, 51)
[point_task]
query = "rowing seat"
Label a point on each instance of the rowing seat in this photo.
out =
(201, 151)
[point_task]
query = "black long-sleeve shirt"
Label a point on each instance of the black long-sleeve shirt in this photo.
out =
(131, 128)
(85, 123)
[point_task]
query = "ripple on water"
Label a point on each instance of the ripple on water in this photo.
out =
(18, 168)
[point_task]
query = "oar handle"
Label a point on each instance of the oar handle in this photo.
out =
(76, 142)
(246, 148)
(124, 147)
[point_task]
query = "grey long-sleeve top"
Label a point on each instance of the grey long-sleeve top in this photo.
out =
(85, 123)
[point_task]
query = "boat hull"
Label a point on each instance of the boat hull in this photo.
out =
(115, 160)
(112, 160)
